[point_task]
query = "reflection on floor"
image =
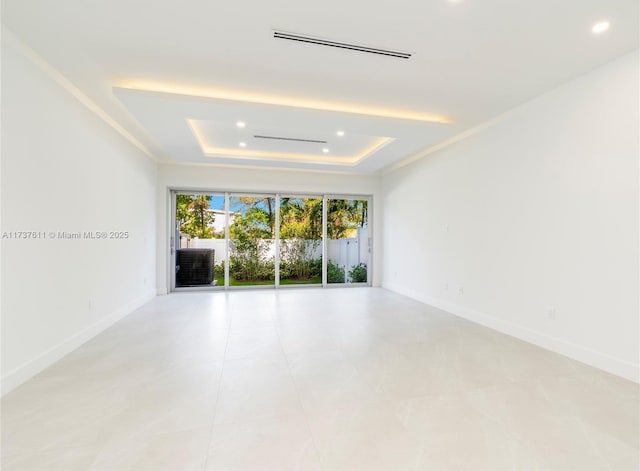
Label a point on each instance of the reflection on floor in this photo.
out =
(334, 379)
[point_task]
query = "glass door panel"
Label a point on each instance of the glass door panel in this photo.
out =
(300, 240)
(200, 221)
(347, 241)
(251, 240)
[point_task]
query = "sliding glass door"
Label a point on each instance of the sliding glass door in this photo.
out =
(300, 240)
(347, 240)
(227, 240)
(252, 240)
(199, 239)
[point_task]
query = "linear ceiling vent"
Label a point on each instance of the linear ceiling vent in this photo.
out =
(351, 47)
(290, 139)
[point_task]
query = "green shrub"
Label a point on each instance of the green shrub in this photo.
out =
(218, 270)
(358, 273)
(247, 260)
(297, 258)
(335, 273)
(315, 267)
(285, 270)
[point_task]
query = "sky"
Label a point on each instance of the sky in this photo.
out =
(217, 202)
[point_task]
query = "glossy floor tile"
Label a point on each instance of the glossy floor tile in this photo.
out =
(312, 379)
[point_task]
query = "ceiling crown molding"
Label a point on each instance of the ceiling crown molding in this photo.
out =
(10, 39)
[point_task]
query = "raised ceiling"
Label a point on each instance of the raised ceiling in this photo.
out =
(205, 130)
(179, 75)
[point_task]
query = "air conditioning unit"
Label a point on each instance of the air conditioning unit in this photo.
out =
(194, 267)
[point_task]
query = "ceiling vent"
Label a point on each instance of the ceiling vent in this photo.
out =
(351, 47)
(290, 139)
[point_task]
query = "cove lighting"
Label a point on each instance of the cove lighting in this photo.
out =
(242, 96)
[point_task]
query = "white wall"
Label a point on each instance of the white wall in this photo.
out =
(538, 211)
(257, 180)
(64, 169)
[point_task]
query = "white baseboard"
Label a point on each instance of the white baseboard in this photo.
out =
(577, 352)
(24, 372)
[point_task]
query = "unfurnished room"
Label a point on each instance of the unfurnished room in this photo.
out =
(330, 236)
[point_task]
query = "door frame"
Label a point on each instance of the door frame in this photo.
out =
(369, 200)
(171, 227)
(172, 239)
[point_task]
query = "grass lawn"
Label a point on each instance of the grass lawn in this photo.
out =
(314, 280)
(233, 282)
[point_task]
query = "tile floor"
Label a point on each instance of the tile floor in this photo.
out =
(333, 380)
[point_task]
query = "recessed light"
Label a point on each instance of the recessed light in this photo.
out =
(240, 124)
(325, 150)
(243, 144)
(340, 133)
(600, 27)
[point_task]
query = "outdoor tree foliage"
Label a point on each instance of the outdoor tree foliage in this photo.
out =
(253, 205)
(254, 223)
(344, 217)
(301, 218)
(194, 216)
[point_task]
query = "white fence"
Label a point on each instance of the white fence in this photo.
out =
(346, 253)
(349, 252)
